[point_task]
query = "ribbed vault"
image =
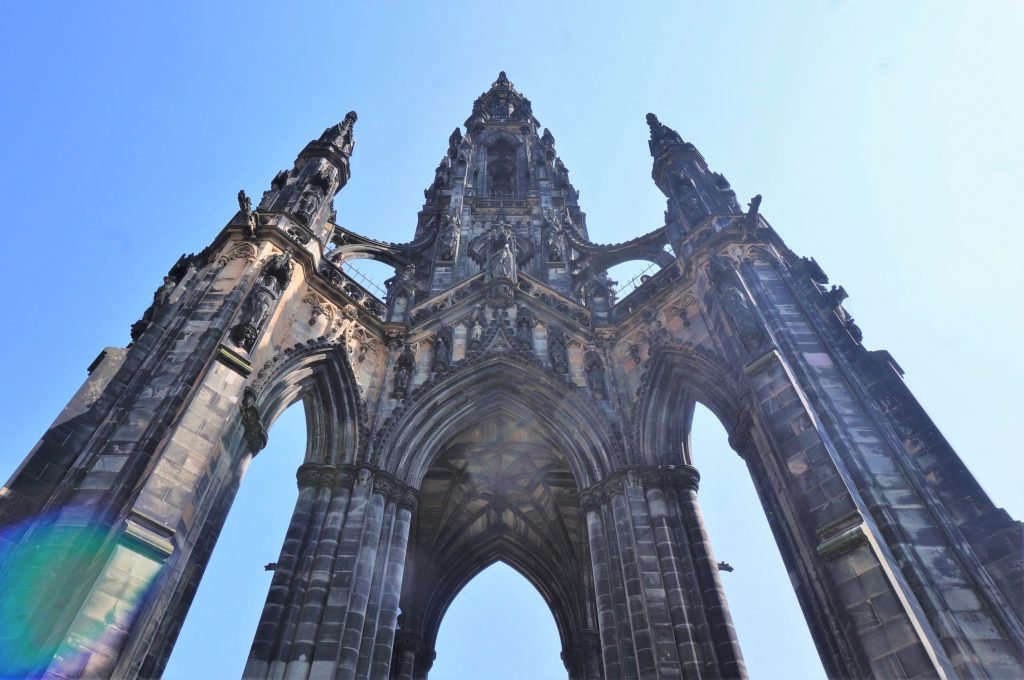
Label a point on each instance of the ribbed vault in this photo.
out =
(500, 490)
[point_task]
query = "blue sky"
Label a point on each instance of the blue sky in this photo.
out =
(885, 139)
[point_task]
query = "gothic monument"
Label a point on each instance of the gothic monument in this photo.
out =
(502, 404)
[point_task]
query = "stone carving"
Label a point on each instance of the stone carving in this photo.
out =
(453, 143)
(750, 220)
(735, 303)
(160, 298)
(257, 306)
(250, 217)
(501, 251)
(255, 433)
(442, 351)
(594, 367)
(557, 352)
(448, 237)
(162, 295)
(402, 284)
(662, 136)
(524, 329)
(741, 438)
(403, 372)
(340, 135)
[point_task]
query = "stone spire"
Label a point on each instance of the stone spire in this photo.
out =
(320, 171)
(694, 192)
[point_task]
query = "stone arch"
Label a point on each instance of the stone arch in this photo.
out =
(318, 373)
(412, 438)
(499, 454)
(678, 376)
(556, 594)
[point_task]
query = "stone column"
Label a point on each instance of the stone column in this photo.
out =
(582, 656)
(661, 609)
(333, 604)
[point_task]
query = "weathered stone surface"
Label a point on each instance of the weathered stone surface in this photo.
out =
(500, 404)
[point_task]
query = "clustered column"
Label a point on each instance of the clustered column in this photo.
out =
(332, 609)
(661, 607)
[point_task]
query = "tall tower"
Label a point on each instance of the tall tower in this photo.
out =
(502, 404)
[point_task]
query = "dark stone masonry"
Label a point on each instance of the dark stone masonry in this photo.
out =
(502, 404)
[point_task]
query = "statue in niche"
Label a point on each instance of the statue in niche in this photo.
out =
(557, 353)
(595, 374)
(249, 216)
(501, 244)
(442, 352)
(448, 235)
(524, 329)
(252, 423)
(309, 203)
(403, 372)
(340, 135)
(554, 250)
(739, 311)
(258, 305)
(476, 328)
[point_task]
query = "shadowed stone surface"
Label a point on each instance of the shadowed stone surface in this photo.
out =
(502, 404)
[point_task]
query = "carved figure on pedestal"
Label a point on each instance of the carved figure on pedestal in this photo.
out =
(557, 352)
(442, 352)
(594, 367)
(255, 432)
(249, 216)
(453, 143)
(258, 305)
(403, 372)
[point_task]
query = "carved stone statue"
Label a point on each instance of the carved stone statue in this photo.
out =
(403, 372)
(255, 432)
(160, 298)
(402, 284)
(554, 250)
(453, 143)
(734, 301)
(595, 374)
(524, 329)
(501, 257)
(249, 216)
(257, 307)
(750, 220)
(557, 353)
(442, 352)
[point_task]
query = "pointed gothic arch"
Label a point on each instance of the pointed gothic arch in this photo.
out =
(415, 432)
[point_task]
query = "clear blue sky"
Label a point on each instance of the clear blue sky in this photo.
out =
(885, 138)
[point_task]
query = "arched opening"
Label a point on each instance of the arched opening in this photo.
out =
(628, 276)
(501, 169)
(770, 625)
(499, 490)
(218, 631)
(498, 627)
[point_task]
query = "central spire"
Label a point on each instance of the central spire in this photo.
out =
(498, 181)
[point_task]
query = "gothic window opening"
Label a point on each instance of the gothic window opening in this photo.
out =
(501, 167)
(218, 631)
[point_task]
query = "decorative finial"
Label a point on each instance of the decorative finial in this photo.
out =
(662, 136)
(502, 80)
